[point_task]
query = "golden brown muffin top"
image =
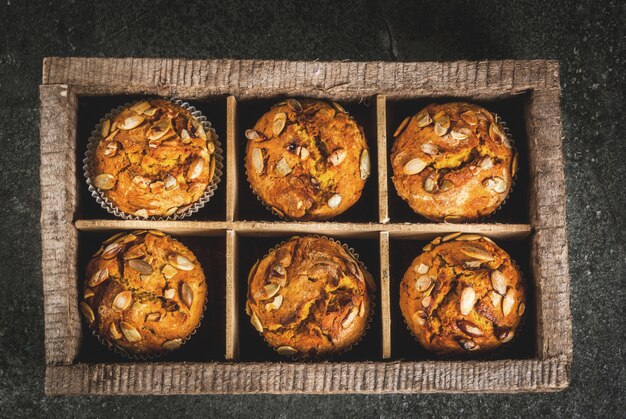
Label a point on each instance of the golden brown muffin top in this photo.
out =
(462, 294)
(153, 159)
(452, 162)
(307, 159)
(145, 292)
(309, 297)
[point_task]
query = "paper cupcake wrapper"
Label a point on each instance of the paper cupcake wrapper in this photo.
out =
(111, 208)
(492, 354)
(114, 347)
(372, 294)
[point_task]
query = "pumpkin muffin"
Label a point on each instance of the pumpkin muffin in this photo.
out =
(144, 293)
(453, 162)
(462, 295)
(154, 158)
(309, 298)
(308, 159)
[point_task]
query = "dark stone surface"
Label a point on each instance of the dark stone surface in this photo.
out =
(589, 38)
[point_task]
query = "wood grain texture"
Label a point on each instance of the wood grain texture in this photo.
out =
(232, 302)
(66, 78)
(507, 376)
(59, 237)
(268, 228)
(231, 158)
(258, 78)
(385, 294)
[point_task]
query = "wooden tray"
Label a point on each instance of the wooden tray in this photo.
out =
(226, 356)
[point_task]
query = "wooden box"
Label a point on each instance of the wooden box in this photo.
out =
(226, 356)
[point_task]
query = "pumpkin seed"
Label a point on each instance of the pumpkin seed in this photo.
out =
(469, 237)
(302, 152)
(280, 119)
(420, 317)
(140, 107)
(123, 300)
(337, 157)
(169, 271)
(88, 293)
(334, 201)
(294, 105)
(169, 293)
(469, 328)
(495, 132)
(253, 135)
(451, 237)
(267, 292)
(114, 331)
(496, 299)
(111, 250)
(153, 317)
(364, 164)
(430, 183)
(104, 181)
(423, 283)
(130, 333)
(275, 304)
(468, 345)
(506, 335)
(350, 317)
(414, 166)
(402, 126)
(486, 163)
(498, 282)
(521, 309)
(140, 266)
(497, 184)
(430, 149)
(143, 213)
(87, 312)
(195, 168)
(477, 253)
(150, 111)
(470, 117)
(111, 149)
(287, 350)
(131, 122)
(508, 302)
(256, 322)
(186, 294)
(282, 167)
(184, 135)
(170, 183)
(460, 134)
(159, 129)
(422, 269)
(172, 345)
(98, 277)
(338, 107)
(514, 163)
(426, 301)
(442, 123)
(105, 128)
(468, 299)
(423, 119)
(180, 262)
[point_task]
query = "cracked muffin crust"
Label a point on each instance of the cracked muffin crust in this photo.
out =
(309, 298)
(153, 159)
(144, 293)
(308, 159)
(462, 295)
(452, 162)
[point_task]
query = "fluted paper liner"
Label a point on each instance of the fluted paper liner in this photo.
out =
(105, 203)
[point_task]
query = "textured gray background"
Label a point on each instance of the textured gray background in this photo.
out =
(588, 38)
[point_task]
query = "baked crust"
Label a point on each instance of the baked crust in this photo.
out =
(153, 159)
(307, 159)
(145, 292)
(452, 162)
(454, 303)
(309, 298)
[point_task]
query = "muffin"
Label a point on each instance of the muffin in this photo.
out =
(309, 298)
(154, 158)
(453, 162)
(144, 293)
(462, 295)
(308, 159)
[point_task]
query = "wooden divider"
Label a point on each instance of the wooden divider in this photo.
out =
(231, 159)
(232, 317)
(381, 142)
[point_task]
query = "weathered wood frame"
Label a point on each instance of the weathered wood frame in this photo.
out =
(66, 79)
